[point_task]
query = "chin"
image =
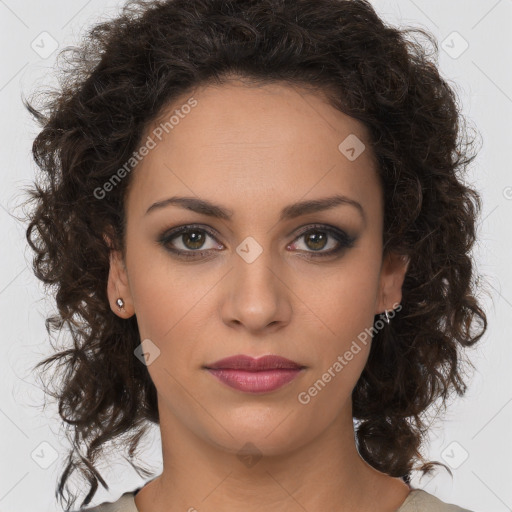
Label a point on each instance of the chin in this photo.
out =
(262, 437)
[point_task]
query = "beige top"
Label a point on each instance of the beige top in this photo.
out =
(417, 501)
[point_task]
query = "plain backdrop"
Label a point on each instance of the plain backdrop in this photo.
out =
(473, 438)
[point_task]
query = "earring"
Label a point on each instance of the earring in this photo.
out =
(387, 316)
(120, 303)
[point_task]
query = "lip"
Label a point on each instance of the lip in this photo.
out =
(251, 375)
(248, 363)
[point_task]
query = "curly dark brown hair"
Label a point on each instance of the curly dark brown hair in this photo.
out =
(121, 78)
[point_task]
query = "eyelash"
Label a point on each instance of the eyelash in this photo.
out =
(344, 240)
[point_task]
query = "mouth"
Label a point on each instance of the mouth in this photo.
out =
(251, 375)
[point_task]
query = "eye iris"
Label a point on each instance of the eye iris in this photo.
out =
(197, 239)
(317, 237)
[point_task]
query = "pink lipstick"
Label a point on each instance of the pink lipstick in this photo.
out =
(251, 375)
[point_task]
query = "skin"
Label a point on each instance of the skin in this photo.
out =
(254, 150)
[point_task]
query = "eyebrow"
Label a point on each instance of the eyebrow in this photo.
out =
(291, 211)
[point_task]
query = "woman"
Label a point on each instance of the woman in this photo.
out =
(256, 222)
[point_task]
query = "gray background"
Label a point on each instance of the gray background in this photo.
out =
(473, 437)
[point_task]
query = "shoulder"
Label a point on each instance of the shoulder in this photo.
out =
(125, 503)
(421, 501)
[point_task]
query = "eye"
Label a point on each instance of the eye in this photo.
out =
(190, 239)
(317, 238)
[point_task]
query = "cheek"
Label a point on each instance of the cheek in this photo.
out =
(343, 298)
(160, 290)
(174, 304)
(341, 305)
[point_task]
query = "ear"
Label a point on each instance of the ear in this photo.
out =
(118, 285)
(392, 275)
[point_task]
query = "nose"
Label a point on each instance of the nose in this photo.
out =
(256, 297)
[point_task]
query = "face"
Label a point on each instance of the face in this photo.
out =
(264, 277)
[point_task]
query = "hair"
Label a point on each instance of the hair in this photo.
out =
(124, 75)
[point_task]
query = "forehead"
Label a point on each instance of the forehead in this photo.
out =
(244, 139)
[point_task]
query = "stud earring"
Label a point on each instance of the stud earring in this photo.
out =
(120, 303)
